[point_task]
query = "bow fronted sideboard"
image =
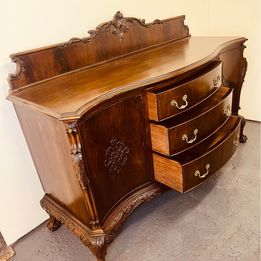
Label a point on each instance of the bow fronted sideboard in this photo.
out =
(115, 118)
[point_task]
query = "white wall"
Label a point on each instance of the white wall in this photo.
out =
(30, 24)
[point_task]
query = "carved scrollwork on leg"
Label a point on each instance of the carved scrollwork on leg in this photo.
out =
(243, 67)
(99, 240)
(97, 243)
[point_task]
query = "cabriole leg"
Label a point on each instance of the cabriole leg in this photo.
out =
(53, 224)
(243, 137)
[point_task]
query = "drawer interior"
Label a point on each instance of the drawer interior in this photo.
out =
(166, 85)
(197, 111)
(181, 172)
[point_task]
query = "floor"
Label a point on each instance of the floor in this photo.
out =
(219, 220)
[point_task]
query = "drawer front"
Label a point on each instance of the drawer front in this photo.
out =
(199, 170)
(183, 173)
(175, 139)
(175, 100)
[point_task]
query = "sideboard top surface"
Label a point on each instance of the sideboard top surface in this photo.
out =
(70, 95)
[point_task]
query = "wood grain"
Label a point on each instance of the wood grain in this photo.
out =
(178, 172)
(84, 107)
(207, 117)
(201, 86)
(119, 160)
(120, 36)
(70, 95)
(50, 150)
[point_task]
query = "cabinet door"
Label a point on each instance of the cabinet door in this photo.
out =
(116, 151)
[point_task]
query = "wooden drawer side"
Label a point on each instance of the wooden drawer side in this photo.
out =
(179, 172)
(175, 99)
(168, 172)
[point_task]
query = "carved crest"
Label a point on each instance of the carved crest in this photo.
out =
(118, 26)
(116, 155)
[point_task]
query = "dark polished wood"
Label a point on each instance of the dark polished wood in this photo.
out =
(179, 172)
(94, 114)
(122, 151)
(122, 35)
(124, 74)
(182, 132)
(182, 96)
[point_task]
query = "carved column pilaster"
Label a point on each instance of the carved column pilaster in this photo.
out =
(80, 172)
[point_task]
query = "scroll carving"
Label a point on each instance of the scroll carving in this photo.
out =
(116, 155)
(98, 241)
(121, 215)
(6, 252)
(118, 26)
(76, 154)
(20, 70)
(243, 68)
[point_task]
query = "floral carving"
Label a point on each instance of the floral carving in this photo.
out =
(76, 154)
(116, 155)
(20, 69)
(118, 27)
(122, 214)
(98, 241)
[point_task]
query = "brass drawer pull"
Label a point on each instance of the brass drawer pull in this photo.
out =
(183, 106)
(227, 110)
(216, 81)
(201, 176)
(236, 140)
(185, 137)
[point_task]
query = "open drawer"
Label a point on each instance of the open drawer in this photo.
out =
(176, 98)
(184, 131)
(187, 170)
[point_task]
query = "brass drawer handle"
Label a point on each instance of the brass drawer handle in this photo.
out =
(216, 81)
(202, 176)
(185, 137)
(236, 140)
(183, 106)
(227, 110)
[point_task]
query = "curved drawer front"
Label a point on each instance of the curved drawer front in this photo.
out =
(174, 99)
(187, 170)
(182, 132)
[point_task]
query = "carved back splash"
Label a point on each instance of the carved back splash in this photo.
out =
(117, 37)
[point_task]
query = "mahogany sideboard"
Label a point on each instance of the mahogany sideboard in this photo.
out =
(115, 118)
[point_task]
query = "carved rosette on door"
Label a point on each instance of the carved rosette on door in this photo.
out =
(116, 155)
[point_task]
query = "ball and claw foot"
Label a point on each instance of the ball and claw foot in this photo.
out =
(101, 258)
(53, 224)
(243, 138)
